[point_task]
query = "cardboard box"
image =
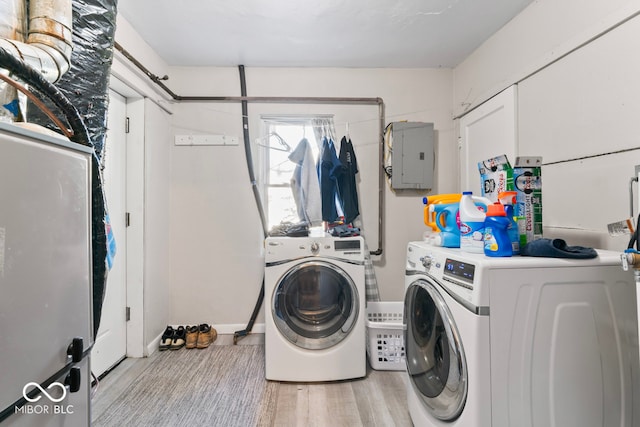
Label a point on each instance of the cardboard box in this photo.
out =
(496, 176)
(527, 178)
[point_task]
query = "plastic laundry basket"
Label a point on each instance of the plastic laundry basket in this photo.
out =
(385, 338)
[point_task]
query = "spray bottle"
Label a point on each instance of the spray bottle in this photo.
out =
(508, 199)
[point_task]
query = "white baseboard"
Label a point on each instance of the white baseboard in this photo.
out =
(153, 345)
(225, 329)
(258, 328)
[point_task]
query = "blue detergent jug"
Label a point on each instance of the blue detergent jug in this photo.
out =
(496, 237)
(447, 221)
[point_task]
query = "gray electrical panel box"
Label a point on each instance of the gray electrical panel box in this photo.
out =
(413, 155)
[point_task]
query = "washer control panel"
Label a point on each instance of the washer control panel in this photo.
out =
(460, 271)
(450, 268)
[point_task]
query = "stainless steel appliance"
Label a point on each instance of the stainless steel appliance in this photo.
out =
(45, 280)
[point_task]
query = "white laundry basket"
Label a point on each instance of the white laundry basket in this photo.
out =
(385, 338)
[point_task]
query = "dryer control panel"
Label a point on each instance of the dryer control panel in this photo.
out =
(279, 249)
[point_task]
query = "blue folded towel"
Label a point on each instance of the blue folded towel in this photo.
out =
(556, 248)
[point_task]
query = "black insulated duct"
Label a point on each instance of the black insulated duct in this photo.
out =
(256, 194)
(86, 86)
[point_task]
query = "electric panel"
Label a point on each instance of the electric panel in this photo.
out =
(413, 155)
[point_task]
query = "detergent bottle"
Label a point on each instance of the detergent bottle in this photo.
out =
(447, 221)
(508, 199)
(442, 198)
(472, 216)
(429, 207)
(496, 236)
(446, 240)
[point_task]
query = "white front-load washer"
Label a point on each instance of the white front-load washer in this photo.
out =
(314, 308)
(519, 341)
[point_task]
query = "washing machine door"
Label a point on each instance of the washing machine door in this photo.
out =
(315, 305)
(435, 358)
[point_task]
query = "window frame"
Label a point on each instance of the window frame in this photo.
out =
(268, 122)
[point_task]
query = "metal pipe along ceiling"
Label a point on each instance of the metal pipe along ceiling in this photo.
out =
(292, 100)
(49, 43)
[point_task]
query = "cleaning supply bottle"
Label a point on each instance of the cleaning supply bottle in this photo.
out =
(496, 236)
(442, 198)
(429, 207)
(445, 239)
(447, 221)
(508, 200)
(472, 223)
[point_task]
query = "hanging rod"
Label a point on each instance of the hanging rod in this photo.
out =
(288, 100)
(282, 99)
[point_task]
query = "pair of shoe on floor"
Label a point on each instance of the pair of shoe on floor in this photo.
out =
(200, 336)
(190, 337)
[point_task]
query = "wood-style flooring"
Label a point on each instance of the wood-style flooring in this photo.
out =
(379, 399)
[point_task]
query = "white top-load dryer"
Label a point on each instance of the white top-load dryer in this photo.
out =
(314, 308)
(520, 341)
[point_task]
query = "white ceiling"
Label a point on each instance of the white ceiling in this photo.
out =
(327, 33)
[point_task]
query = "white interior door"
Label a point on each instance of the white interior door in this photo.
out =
(486, 132)
(111, 343)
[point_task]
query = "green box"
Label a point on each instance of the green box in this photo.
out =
(527, 178)
(496, 176)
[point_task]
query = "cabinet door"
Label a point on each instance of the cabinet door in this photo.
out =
(486, 132)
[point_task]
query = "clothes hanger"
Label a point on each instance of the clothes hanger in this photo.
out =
(283, 144)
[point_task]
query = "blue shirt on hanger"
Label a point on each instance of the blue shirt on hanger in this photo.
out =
(347, 181)
(329, 168)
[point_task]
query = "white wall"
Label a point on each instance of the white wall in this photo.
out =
(577, 105)
(217, 260)
(157, 238)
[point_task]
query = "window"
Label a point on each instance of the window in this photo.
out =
(280, 137)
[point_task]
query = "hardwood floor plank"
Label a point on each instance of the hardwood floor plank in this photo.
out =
(316, 404)
(341, 407)
(394, 384)
(371, 401)
(116, 382)
(290, 400)
(269, 406)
